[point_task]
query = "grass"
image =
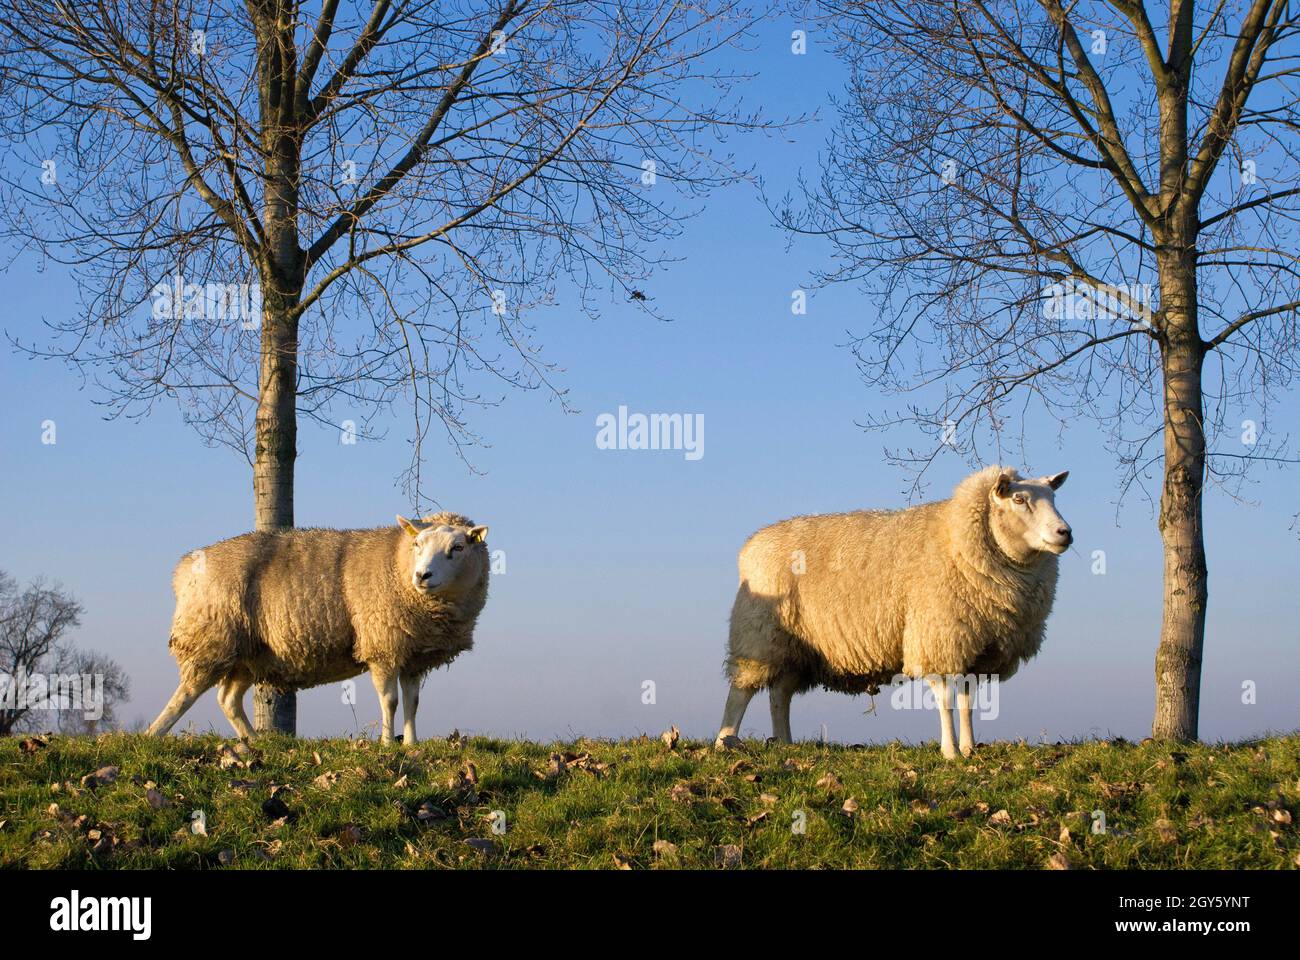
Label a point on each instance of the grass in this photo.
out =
(601, 804)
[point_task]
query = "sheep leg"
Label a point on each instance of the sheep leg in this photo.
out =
(737, 700)
(182, 700)
(385, 681)
(410, 703)
(779, 694)
(230, 694)
(965, 694)
(940, 687)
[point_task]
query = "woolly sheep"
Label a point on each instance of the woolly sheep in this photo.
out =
(940, 590)
(298, 608)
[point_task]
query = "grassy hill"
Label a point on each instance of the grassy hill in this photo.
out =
(124, 801)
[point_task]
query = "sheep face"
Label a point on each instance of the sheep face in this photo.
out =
(1024, 518)
(444, 560)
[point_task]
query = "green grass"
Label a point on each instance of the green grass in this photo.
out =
(355, 805)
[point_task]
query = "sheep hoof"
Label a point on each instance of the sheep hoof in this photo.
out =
(949, 752)
(729, 742)
(967, 750)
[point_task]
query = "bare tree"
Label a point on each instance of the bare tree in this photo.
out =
(44, 678)
(1036, 194)
(272, 212)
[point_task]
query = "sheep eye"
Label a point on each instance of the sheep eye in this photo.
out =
(457, 547)
(1018, 498)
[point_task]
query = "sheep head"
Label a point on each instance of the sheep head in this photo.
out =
(1023, 516)
(444, 559)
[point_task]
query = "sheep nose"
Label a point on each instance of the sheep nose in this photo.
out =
(426, 575)
(1066, 532)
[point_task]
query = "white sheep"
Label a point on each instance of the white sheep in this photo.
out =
(942, 590)
(298, 608)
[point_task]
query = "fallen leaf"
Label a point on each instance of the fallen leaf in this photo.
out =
(101, 777)
(622, 862)
(830, 782)
(350, 835)
(156, 799)
(401, 782)
(727, 857)
(276, 810)
(850, 807)
(327, 780)
(226, 857)
(1165, 831)
(486, 847)
(767, 798)
(1001, 817)
(683, 792)
(670, 737)
(757, 818)
(429, 812)
(1058, 861)
(665, 850)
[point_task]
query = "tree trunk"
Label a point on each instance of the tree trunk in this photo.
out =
(281, 273)
(275, 453)
(1186, 589)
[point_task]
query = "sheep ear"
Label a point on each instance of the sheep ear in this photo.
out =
(1002, 486)
(1056, 481)
(477, 534)
(408, 526)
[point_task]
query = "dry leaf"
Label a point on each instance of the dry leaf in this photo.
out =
(665, 850)
(350, 835)
(101, 777)
(327, 780)
(622, 862)
(670, 737)
(830, 782)
(727, 857)
(156, 799)
(1001, 817)
(850, 807)
(486, 847)
(1058, 861)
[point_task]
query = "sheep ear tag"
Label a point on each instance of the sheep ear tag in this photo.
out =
(478, 534)
(408, 526)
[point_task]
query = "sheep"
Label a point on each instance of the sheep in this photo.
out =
(298, 608)
(942, 590)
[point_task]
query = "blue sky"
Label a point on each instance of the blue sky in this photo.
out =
(620, 565)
